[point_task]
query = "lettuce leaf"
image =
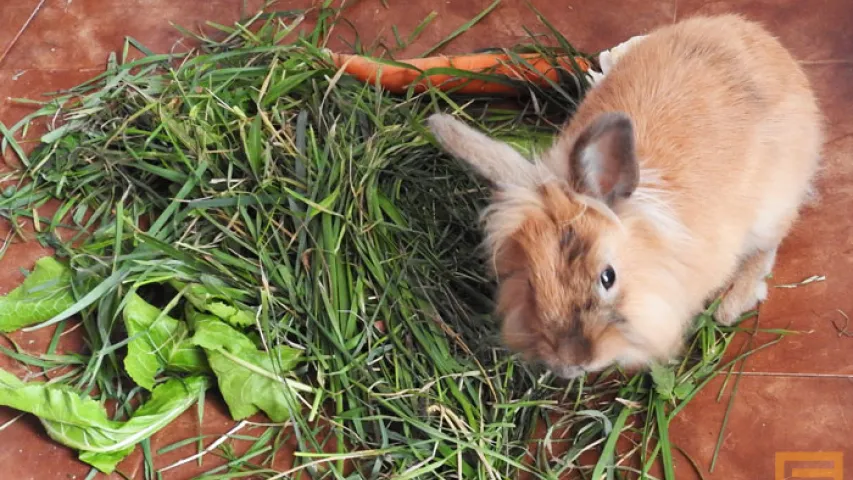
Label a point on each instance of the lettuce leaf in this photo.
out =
(218, 300)
(158, 343)
(248, 378)
(45, 293)
(82, 423)
(105, 461)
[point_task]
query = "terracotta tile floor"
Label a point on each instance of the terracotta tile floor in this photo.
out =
(794, 396)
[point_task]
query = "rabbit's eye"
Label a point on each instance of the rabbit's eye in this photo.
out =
(608, 277)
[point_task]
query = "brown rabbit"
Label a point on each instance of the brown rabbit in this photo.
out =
(674, 182)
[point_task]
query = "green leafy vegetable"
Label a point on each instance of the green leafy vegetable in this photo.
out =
(248, 377)
(664, 379)
(158, 343)
(668, 387)
(82, 423)
(218, 301)
(683, 390)
(46, 292)
(105, 461)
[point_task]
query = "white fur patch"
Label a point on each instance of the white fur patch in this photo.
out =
(595, 77)
(761, 290)
(506, 214)
(602, 209)
(654, 203)
(655, 327)
(591, 159)
(512, 206)
(608, 58)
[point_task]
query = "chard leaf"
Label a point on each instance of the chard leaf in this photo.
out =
(158, 343)
(232, 315)
(82, 423)
(248, 377)
(105, 461)
(220, 301)
(45, 293)
(684, 390)
(664, 379)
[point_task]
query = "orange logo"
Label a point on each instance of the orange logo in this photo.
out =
(825, 465)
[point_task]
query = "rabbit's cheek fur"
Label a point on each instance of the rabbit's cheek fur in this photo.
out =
(613, 347)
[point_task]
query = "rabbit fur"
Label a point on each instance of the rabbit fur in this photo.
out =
(673, 183)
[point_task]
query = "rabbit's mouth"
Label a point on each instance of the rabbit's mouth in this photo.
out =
(568, 372)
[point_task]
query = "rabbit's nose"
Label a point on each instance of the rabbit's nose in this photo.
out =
(574, 348)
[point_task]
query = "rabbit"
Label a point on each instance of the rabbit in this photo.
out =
(672, 185)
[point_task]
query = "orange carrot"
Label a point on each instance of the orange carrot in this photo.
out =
(398, 79)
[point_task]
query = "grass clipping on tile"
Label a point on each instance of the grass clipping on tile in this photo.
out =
(247, 219)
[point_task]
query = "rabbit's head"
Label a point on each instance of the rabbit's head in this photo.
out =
(555, 242)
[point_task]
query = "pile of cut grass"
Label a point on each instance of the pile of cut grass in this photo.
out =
(251, 185)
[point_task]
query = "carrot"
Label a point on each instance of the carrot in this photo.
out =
(398, 78)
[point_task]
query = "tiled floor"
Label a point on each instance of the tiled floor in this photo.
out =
(794, 396)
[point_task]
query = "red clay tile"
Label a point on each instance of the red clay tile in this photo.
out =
(81, 33)
(769, 415)
(585, 24)
(27, 453)
(593, 26)
(217, 423)
(32, 85)
(814, 30)
(13, 16)
(16, 84)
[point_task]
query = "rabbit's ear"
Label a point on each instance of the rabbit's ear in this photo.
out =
(603, 161)
(495, 161)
